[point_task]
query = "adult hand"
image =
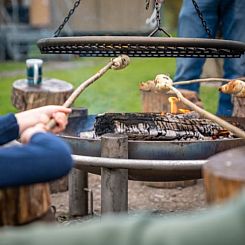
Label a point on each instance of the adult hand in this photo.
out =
(42, 115)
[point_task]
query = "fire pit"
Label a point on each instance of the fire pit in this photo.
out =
(148, 150)
(148, 161)
(80, 121)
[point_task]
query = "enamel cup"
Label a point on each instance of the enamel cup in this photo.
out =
(34, 71)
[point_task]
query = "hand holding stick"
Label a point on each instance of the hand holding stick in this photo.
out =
(118, 63)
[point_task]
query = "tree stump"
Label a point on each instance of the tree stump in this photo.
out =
(157, 101)
(224, 175)
(21, 205)
(50, 92)
(239, 105)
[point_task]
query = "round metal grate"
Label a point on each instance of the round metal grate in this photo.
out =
(133, 46)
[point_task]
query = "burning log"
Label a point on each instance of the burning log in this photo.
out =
(153, 126)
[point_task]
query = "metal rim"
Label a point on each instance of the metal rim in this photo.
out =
(153, 141)
(137, 163)
(135, 46)
(185, 42)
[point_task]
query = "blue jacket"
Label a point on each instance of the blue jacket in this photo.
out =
(44, 158)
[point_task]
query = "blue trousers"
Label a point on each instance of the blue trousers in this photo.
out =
(225, 15)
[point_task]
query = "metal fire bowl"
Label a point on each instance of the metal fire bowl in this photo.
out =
(149, 150)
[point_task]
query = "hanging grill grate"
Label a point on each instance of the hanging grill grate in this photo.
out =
(110, 46)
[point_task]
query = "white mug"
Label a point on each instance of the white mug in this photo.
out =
(34, 71)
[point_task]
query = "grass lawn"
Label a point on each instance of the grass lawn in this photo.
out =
(116, 91)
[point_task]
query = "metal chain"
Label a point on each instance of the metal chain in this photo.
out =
(158, 19)
(200, 15)
(71, 12)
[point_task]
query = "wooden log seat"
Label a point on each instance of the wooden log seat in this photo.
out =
(224, 175)
(50, 92)
(22, 205)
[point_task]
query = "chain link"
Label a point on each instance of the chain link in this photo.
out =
(200, 15)
(71, 12)
(158, 17)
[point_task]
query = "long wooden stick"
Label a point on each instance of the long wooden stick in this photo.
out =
(201, 80)
(237, 131)
(118, 63)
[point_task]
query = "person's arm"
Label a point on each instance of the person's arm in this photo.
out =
(12, 126)
(9, 128)
(42, 156)
(45, 157)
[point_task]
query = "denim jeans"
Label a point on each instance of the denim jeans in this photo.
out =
(225, 15)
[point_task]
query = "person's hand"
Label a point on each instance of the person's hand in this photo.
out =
(42, 115)
(28, 133)
(61, 122)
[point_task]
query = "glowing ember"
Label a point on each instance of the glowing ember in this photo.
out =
(184, 111)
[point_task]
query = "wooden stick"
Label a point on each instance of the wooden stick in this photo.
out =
(202, 80)
(118, 63)
(237, 131)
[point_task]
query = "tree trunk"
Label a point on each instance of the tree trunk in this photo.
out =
(24, 204)
(51, 92)
(157, 101)
(224, 175)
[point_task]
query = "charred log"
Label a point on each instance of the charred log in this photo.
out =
(152, 126)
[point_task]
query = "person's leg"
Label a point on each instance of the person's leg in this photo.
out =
(233, 28)
(190, 26)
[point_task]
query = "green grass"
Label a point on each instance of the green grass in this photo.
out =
(116, 91)
(11, 66)
(5, 95)
(209, 96)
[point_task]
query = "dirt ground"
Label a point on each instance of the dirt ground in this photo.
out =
(142, 197)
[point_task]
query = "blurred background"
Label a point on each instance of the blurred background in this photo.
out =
(24, 22)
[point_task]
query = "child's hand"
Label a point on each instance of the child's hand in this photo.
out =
(42, 115)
